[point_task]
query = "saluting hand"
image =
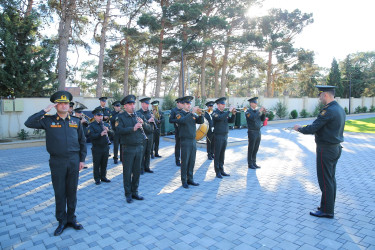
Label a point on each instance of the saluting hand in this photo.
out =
(49, 107)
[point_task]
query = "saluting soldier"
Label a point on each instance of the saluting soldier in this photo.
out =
(158, 117)
(116, 138)
(98, 132)
(328, 129)
(131, 129)
(186, 120)
(172, 119)
(210, 133)
(105, 110)
(254, 118)
(221, 119)
(66, 145)
(147, 144)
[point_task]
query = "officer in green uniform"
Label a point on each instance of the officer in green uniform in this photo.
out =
(328, 129)
(210, 133)
(147, 144)
(186, 120)
(66, 145)
(105, 110)
(99, 132)
(116, 137)
(172, 119)
(131, 128)
(254, 119)
(221, 119)
(158, 116)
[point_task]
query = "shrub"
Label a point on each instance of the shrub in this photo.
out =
(281, 110)
(304, 113)
(168, 103)
(358, 110)
(39, 132)
(294, 114)
(317, 109)
(372, 108)
(364, 109)
(23, 134)
(270, 115)
(346, 110)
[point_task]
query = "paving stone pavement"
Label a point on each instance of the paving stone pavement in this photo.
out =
(252, 209)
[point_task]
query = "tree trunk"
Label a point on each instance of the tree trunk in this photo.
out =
(224, 71)
(99, 86)
(145, 80)
(203, 74)
(68, 7)
(216, 70)
(29, 7)
(183, 64)
(160, 55)
(269, 75)
(126, 65)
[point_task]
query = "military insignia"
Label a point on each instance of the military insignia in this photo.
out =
(323, 112)
(58, 118)
(194, 117)
(178, 116)
(216, 115)
(248, 115)
(88, 131)
(116, 123)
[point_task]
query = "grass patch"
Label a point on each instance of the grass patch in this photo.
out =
(361, 126)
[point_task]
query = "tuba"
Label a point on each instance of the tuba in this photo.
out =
(155, 111)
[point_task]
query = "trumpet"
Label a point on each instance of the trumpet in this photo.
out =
(87, 118)
(143, 131)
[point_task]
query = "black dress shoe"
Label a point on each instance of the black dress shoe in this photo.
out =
(225, 174)
(157, 155)
(149, 171)
(320, 214)
(185, 185)
(152, 156)
(106, 180)
(60, 229)
(219, 176)
(97, 182)
(192, 183)
(137, 197)
(178, 163)
(210, 158)
(129, 199)
(115, 161)
(252, 166)
(76, 225)
(256, 166)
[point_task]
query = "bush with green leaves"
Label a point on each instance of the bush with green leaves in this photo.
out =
(281, 110)
(372, 109)
(294, 114)
(304, 113)
(357, 110)
(317, 109)
(23, 134)
(169, 102)
(270, 115)
(364, 109)
(346, 110)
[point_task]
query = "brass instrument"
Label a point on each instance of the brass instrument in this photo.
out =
(156, 115)
(88, 118)
(143, 131)
(108, 140)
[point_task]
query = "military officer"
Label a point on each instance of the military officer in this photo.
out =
(71, 105)
(210, 133)
(172, 119)
(66, 145)
(147, 144)
(221, 119)
(105, 110)
(328, 129)
(254, 118)
(116, 138)
(131, 128)
(158, 116)
(186, 120)
(98, 132)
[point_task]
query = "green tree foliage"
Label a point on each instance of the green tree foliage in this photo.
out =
(26, 65)
(334, 78)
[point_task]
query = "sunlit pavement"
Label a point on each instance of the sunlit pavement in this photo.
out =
(251, 209)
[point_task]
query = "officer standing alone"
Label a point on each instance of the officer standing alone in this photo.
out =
(328, 129)
(66, 145)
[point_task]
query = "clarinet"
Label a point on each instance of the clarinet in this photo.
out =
(108, 140)
(143, 131)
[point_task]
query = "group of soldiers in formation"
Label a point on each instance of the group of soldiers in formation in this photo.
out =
(137, 133)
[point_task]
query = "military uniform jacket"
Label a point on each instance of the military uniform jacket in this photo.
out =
(94, 132)
(161, 119)
(210, 121)
(329, 126)
(125, 127)
(221, 120)
(113, 118)
(62, 136)
(186, 122)
(147, 115)
(254, 119)
(172, 116)
(106, 111)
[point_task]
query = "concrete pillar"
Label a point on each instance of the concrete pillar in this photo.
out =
(352, 108)
(363, 99)
(305, 102)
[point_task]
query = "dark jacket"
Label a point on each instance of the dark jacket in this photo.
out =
(62, 136)
(112, 119)
(125, 128)
(254, 119)
(329, 126)
(172, 116)
(186, 122)
(210, 120)
(94, 132)
(221, 120)
(106, 111)
(147, 115)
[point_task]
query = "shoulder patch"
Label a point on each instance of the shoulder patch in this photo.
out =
(178, 116)
(323, 112)
(116, 123)
(248, 114)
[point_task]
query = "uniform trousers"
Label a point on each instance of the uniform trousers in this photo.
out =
(155, 142)
(131, 168)
(188, 153)
(177, 147)
(147, 144)
(326, 160)
(100, 160)
(116, 144)
(254, 137)
(220, 146)
(210, 143)
(64, 175)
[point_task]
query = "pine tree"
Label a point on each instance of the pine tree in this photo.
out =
(334, 78)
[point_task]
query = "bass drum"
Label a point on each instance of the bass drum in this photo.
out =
(201, 130)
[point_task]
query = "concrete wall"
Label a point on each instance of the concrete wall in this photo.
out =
(12, 122)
